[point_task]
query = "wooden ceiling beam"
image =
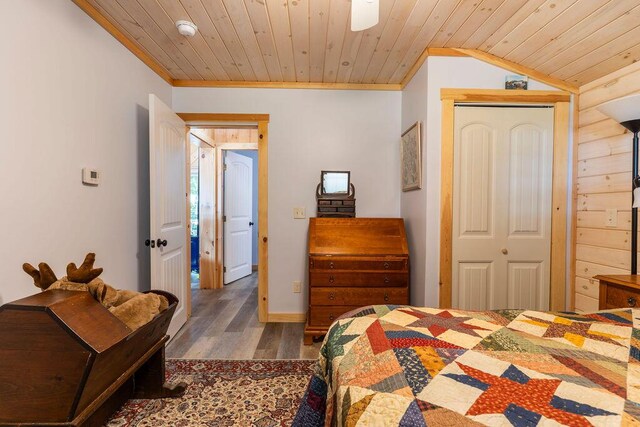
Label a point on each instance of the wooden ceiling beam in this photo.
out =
(122, 38)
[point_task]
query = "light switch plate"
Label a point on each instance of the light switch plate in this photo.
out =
(298, 213)
(297, 286)
(611, 219)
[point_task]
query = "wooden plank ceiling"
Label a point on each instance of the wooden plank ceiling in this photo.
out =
(575, 41)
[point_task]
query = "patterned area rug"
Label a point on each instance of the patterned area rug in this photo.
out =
(262, 393)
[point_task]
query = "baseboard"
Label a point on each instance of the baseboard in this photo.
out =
(287, 317)
(254, 267)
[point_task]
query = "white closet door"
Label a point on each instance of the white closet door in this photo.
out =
(502, 207)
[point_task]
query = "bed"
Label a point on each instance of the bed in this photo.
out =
(414, 366)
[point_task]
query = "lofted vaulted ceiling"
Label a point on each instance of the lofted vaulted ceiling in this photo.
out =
(574, 41)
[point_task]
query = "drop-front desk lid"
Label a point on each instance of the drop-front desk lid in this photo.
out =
(357, 236)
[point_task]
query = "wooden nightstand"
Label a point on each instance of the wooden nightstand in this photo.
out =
(619, 291)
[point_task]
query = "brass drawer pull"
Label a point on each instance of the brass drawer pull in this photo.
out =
(331, 264)
(631, 301)
(331, 279)
(332, 296)
(386, 265)
(386, 297)
(331, 317)
(386, 279)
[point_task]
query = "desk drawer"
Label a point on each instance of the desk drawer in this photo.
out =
(359, 296)
(358, 279)
(325, 315)
(330, 263)
(619, 297)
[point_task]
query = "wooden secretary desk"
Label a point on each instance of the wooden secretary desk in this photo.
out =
(354, 262)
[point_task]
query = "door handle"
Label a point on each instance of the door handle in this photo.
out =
(161, 243)
(250, 224)
(504, 251)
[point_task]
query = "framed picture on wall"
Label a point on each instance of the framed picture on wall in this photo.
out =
(516, 81)
(411, 158)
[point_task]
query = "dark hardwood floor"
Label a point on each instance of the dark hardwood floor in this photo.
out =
(224, 325)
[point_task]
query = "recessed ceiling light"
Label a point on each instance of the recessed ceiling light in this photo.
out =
(186, 28)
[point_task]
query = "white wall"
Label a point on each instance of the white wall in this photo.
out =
(72, 96)
(421, 101)
(414, 203)
(310, 131)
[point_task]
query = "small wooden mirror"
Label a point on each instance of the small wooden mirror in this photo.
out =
(335, 182)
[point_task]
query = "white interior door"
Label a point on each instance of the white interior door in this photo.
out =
(502, 207)
(238, 207)
(168, 176)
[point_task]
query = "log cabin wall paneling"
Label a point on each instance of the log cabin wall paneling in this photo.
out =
(603, 182)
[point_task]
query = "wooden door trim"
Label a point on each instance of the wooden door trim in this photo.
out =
(222, 117)
(262, 121)
(560, 100)
(504, 95)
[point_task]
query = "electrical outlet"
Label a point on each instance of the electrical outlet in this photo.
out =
(611, 219)
(298, 213)
(297, 286)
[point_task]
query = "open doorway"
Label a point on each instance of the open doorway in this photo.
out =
(208, 127)
(223, 204)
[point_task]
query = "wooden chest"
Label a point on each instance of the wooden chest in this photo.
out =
(354, 262)
(619, 291)
(67, 361)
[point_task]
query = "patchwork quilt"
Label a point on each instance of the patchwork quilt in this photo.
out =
(415, 366)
